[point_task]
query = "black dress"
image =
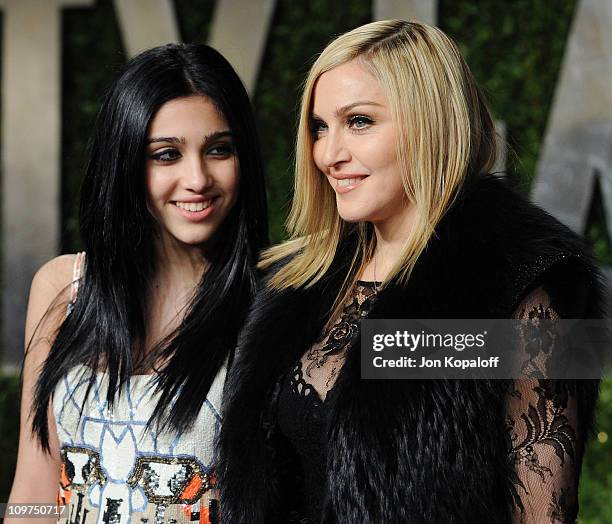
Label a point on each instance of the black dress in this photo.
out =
(540, 422)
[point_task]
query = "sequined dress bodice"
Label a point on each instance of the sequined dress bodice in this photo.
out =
(115, 469)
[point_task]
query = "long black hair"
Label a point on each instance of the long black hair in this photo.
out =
(118, 233)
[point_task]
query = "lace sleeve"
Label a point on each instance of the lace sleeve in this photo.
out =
(545, 448)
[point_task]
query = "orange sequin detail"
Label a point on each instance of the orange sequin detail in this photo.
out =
(192, 488)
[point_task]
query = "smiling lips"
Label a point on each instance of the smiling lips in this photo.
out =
(193, 206)
(195, 211)
(344, 185)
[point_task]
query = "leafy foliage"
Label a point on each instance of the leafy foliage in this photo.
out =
(299, 31)
(514, 50)
(596, 482)
(9, 431)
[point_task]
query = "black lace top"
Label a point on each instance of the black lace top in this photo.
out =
(541, 422)
(305, 399)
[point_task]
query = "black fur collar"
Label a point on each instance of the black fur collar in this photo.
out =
(405, 451)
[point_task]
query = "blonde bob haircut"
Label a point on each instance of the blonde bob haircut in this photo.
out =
(444, 129)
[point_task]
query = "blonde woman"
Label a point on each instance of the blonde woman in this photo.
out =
(395, 216)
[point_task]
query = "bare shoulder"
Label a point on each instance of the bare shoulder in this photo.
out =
(50, 291)
(49, 296)
(55, 274)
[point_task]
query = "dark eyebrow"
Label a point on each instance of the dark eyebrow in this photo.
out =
(181, 140)
(217, 135)
(171, 139)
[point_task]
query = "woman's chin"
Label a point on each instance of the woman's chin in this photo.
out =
(354, 215)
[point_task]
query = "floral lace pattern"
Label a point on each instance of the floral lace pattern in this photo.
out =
(541, 421)
(322, 363)
(537, 340)
(541, 414)
(305, 398)
(300, 387)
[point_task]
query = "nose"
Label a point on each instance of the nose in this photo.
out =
(197, 177)
(334, 150)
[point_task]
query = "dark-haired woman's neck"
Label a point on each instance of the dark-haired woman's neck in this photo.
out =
(179, 269)
(179, 265)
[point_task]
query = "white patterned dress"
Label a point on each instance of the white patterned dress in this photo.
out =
(115, 470)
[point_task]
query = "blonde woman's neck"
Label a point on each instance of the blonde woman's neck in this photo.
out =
(391, 237)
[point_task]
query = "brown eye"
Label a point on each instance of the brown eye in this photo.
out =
(166, 155)
(222, 150)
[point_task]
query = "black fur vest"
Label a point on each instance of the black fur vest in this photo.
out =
(403, 451)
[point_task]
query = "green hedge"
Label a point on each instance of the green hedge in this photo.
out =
(596, 483)
(9, 431)
(514, 49)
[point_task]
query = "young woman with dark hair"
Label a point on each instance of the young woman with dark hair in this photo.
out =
(129, 341)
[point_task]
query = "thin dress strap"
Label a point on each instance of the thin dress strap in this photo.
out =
(77, 273)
